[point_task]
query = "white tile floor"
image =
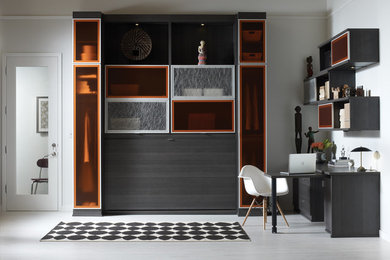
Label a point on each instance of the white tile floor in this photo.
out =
(20, 233)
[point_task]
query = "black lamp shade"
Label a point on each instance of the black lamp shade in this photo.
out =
(361, 149)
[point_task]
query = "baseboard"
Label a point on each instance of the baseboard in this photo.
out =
(170, 212)
(384, 235)
(87, 213)
(254, 212)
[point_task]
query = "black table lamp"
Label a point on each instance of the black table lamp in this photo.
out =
(361, 149)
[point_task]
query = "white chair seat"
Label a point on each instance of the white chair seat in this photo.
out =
(257, 184)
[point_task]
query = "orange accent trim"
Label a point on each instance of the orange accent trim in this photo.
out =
(197, 101)
(138, 67)
(264, 124)
(98, 135)
(345, 35)
(324, 106)
(98, 39)
(262, 59)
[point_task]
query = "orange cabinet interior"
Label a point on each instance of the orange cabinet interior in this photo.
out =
(203, 116)
(137, 81)
(86, 40)
(87, 136)
(325, 116)
(252, 42)
(340, 49)
(252, 122)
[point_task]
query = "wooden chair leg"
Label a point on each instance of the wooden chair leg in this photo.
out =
(249, 211)
(264, 212)
(281, 213)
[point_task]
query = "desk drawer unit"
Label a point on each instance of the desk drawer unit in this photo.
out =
(311, 199)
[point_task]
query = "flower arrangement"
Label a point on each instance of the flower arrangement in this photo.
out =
(321, 146)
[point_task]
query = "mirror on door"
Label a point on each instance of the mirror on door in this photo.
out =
(32, 125)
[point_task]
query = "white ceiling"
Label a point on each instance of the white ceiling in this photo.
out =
(66, 7)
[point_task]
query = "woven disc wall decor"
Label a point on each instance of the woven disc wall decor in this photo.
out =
(136, 44)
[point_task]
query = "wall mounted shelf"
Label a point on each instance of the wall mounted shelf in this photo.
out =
(340, 58)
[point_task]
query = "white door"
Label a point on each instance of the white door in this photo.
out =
(31, 88)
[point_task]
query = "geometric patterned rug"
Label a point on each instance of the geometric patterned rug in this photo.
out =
(138, 231)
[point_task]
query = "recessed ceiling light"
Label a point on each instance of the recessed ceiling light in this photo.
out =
(136, 24)
(202, 24)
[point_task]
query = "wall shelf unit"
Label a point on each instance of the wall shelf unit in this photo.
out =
(86, 40)
(340, 58)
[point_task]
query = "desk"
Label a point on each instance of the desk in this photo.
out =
(274, 176)
(351, 200)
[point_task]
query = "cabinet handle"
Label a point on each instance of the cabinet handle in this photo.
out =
(171, 139)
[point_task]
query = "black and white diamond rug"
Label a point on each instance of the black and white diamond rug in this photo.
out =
(148, 231)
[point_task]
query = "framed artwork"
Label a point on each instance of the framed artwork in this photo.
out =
(42, 114)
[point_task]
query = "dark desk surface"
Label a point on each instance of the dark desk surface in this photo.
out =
(322, 170)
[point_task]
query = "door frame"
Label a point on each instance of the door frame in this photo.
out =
(4, 124)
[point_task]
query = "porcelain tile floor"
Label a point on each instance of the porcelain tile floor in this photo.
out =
(20, 233)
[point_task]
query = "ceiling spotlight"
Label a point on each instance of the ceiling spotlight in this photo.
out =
(137, 24)
(202, 24)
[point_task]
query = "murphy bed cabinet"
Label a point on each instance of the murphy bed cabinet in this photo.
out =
(154, 132)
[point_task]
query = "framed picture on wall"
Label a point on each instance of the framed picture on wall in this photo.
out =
(42, 114)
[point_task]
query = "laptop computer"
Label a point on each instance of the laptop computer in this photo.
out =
(302, 163)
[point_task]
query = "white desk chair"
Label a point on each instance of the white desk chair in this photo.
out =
(257, 184)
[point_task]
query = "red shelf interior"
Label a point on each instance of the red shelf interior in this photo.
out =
(203, 116)
(142, 81)
(252, 100)
(340, 49)
(252, 41)
(86, 40)
(325, 116)
(86, 137)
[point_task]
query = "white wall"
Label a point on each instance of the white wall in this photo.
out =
(48, 35)
(61, 7)
(290, 40)
(369, 14)
(31, 82)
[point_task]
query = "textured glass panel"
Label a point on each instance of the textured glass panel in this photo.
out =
(203, 81)
(137, 116)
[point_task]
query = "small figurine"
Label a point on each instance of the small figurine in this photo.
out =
(309, 60)
(310, 135)
(335, 92)
(202, 53)
(345, 91)
(342, 152)
(298, 129)
(360, 91)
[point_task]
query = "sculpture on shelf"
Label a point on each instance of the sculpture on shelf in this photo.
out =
(309, 60)
(202, 53)
(298, 129)
(136, 44)
(345, 91)
(310, 135)
(335, 92)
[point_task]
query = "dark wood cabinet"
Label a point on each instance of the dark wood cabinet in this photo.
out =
(311, 198)
(352, 204)
(357, 114)
(351, 49)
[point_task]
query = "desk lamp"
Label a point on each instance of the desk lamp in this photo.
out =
(361, 149)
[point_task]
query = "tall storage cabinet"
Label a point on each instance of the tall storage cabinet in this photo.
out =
(87, 116)
(252, 95)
